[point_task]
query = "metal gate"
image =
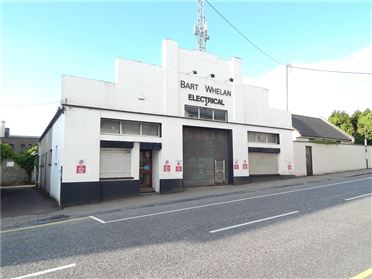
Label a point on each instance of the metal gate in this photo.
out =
(219, 171)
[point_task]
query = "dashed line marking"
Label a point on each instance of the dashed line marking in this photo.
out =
(45, 271)
(254, 222)
(358, 197)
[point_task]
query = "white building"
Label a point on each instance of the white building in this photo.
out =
(190, 121)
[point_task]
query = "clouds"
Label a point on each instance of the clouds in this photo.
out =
(318, 93)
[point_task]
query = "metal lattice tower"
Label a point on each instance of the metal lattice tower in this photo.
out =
(200, 30)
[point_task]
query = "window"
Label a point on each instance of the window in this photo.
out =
(205, 113)
(258, 137)
(131, 128)
(110, 126)
(125, 127)
(191, 111)
(23, 146)
(150, 129)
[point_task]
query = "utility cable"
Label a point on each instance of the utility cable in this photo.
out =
(276, 60)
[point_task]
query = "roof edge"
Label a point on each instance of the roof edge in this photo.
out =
(51, 123)
(338, 129)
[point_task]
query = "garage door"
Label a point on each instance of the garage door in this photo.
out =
(204, 150)
(263, 163)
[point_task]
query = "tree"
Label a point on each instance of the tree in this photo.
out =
(7, 152)
(27, 159)
(365, 125)
(342, 120)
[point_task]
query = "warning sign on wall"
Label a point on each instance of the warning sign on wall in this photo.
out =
(236, 164)
(178, 166)
(245, 165)
(81, 167)
(166, 166)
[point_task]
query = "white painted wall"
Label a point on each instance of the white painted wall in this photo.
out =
(156, 89)
(329, 158)
(152, 93)
(57, 157)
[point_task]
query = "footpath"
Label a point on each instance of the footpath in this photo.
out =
(32, 208)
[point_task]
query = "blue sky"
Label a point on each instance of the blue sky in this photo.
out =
(43, 40)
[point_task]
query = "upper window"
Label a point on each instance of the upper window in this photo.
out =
(205, 113)
(124, 127)
(110, 126)
(263, 137)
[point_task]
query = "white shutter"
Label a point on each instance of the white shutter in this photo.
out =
(115, 163)
(263, 163)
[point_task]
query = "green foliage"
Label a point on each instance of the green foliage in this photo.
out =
(27, 159)
(323, 141)
(359, 125)
(7, 152)
(365, 125)
(342, 119)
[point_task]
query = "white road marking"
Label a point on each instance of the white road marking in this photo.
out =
(357, 197)
(45, 271)
(97, 219)
(253, 222)
(233, 201)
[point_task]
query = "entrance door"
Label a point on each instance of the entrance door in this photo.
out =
(145, 168)
(309, 161)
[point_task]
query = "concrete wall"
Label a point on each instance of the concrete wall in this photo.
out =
(12, 174)
(329, 158)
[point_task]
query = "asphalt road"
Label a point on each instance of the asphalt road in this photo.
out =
(320, 230)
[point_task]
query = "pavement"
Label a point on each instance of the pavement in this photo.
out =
(318, 227)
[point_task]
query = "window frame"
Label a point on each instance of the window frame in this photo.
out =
(213, 112)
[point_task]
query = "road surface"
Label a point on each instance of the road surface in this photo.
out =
(319, 229)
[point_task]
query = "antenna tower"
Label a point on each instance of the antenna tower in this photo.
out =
(200, 29)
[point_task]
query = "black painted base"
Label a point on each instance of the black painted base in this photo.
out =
(238, 180)
(171, 185)
(75, 193)
(269, 177)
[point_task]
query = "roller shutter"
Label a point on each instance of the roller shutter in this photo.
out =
(263, 163)
(203, 150)
(115, 163)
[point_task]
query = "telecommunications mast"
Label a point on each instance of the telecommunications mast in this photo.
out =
(200, 29)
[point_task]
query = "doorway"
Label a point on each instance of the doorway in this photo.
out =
(309, 161)
(145, 172)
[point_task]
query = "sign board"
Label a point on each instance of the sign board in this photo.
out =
(236, 164)
(245, 165)
(178, 166)
(10, 164)
(166, 167)
(81, 167)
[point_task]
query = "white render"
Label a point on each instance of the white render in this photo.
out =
(329, 158)
(152, 93)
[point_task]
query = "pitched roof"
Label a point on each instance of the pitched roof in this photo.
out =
(316, 128)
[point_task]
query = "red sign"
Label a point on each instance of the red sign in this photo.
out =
(236, 166)
(178, 167)
(289, 167)
(81, 169)
(167, 168)
(245, 166)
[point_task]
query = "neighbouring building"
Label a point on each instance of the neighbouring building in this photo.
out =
(189, 121)
(18, 143)
(320, 147)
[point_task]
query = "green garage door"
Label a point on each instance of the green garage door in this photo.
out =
(203, 150)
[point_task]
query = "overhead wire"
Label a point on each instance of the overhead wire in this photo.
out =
(277, 60)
